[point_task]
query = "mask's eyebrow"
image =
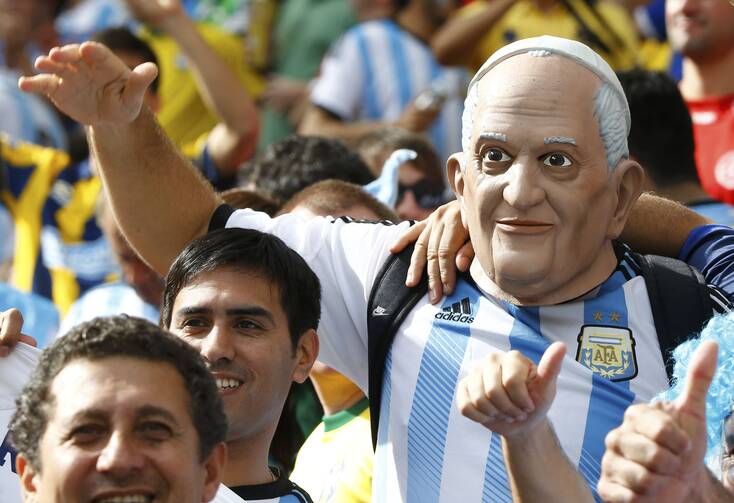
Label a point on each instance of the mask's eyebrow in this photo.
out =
(559, 139)
(493, 136)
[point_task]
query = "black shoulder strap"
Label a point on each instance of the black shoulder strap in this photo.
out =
(389, 303)
(680, 301)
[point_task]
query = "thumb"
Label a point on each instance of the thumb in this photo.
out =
(549, 367)
(701, 372)
(140, 78)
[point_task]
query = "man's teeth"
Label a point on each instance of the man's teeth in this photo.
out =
(133, 498)
(228, 383)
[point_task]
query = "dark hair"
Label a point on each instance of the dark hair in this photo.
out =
(294, 163)
(661, 137)
(256, 252)
(336, 198)
(241, 198)
(121, 39)
(376, 147)
(111, 337)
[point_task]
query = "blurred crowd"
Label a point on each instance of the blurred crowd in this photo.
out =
(351, 110)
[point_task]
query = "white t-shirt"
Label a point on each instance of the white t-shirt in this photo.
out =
(14, 373)
(427, 451)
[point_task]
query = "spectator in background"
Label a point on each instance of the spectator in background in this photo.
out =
(302, 33)
(661, 140)
(702, 31)
(296, 162)
(139, 291)
(421, 187)
(476, 31)
(250, 306)
(119, 409)
(239, 197)
(23, 119)
(335, 462)
(375, 74)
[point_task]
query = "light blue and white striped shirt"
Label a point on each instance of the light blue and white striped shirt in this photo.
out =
(108, 299)
(427, 451)
(376, 69)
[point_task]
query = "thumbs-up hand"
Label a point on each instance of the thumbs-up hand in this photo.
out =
(657, 453)
(11, 324)
(508, 394)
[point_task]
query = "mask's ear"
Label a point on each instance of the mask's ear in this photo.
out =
(29, 478)
(306, 353)
(456, 171)
(628, 178)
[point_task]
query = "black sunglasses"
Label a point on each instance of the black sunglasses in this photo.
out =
(428, 195)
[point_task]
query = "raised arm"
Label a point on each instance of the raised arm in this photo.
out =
(234, 138)
(160, 200)
(458, 37)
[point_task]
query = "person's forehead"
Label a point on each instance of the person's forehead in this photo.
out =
(117, 384)
(533, 89)
(230, 287)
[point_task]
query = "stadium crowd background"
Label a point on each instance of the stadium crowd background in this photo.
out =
(321, 107)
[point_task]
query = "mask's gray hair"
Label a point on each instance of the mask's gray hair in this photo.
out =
(610, 104)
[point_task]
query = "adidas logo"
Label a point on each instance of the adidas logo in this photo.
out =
(458, 311)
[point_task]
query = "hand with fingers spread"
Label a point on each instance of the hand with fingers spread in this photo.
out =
(11, 324)
(508, 393)
(441, 248)
(657, 453)
(90, 84)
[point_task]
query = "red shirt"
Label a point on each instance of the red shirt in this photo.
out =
(713, 129)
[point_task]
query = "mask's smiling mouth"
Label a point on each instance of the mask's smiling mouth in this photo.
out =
(522, 226)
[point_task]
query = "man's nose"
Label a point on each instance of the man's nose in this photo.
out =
(523, 188)
(218, 345)
(121, 456)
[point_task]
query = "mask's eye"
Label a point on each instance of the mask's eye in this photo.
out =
(495, 155)
(557, 160)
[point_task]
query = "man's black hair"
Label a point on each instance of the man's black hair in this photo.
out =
(292, 164)
(661, 137)
(252, 252)
(111, 337)
(121, 39)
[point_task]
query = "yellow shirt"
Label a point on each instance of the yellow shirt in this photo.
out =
(183, 114)
(525, 20)
(335, 463)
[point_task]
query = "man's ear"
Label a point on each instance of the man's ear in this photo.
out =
(456, 170)
(306, 353)
(628, 178)
(29, 478)
(213, 471)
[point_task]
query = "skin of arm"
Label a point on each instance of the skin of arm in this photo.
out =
(234, 138)
(317, 121)
(457, 38)
(539, 470)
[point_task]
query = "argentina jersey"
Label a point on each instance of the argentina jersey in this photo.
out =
(428, 452)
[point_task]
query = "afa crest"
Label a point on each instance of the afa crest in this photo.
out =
(608, 351)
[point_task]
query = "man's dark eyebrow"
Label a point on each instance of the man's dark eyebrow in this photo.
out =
(185, 311)
(153, 410)
(250, 311)
(91, 413)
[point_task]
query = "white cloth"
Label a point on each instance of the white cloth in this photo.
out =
(14, 373)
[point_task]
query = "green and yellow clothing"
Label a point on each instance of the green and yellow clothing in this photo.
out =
(525, 20)
(304, 30)
(183, 114)
(335, 462)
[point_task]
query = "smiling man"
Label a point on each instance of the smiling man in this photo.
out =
(544, 185)
(119, 411)
(250, 307)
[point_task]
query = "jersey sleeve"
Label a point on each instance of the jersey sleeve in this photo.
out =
(339, 85)
(346, 255)
(710, 249)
